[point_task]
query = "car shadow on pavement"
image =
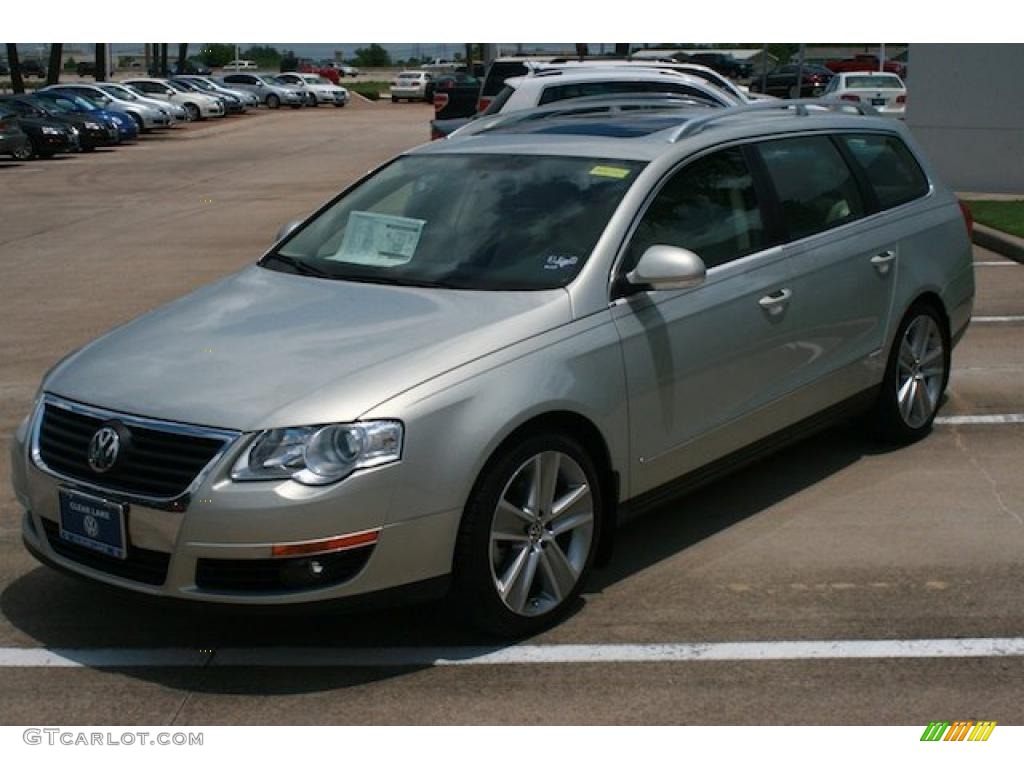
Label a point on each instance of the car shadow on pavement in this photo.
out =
(60, 612)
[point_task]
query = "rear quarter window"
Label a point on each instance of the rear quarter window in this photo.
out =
(890, 168)
(498, 73)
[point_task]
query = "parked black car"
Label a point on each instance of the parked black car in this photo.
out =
(782, 81)
(33, 68)
(723, 63)
(13, 140)
(86, 69)
(455, 95)
(92, 132)
(48, 137)
(191, 67)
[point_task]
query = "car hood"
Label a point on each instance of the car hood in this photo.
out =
(263, 349)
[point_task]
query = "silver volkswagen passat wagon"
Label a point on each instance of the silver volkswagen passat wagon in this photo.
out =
(461, 371)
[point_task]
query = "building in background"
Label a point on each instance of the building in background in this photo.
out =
(965, 104)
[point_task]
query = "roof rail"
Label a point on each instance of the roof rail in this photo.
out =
(695, 125)
(587, 105)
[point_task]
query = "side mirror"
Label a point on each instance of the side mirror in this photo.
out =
(667, 268)
(288, 228)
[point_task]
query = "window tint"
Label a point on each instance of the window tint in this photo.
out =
(815, 187)
(499, 101)
(709, 207)
(890, 168)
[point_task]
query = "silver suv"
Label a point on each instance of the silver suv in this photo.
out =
(462, 370)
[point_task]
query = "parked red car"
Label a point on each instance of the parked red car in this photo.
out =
(866, 62)
(315, 69)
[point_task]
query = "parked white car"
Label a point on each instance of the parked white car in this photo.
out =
(885, 92)
(415, 85)
(323, 90)
(546, 86)
(197, 106)
(236, 64)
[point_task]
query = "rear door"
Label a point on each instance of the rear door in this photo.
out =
(702, 364)
(844, 262)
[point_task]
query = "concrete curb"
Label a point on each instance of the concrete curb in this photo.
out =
(1001, 242)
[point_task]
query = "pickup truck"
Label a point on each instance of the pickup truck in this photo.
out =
(866, 62)
(455, 95)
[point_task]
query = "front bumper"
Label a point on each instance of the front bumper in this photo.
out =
(219, 548)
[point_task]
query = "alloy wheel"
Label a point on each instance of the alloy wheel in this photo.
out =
(541, 533)
(921, 371)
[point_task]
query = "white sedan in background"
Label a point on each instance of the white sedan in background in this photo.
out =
(883, 91)
(197, 106)
(323, 90)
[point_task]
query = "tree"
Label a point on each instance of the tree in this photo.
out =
(373, 56)
(216, 54)
(53, 70)
(265, 56)
(101, 61)
(17, 83)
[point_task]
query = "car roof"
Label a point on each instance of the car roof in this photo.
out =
(710, 126)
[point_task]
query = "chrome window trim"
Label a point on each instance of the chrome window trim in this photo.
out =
(176, 503)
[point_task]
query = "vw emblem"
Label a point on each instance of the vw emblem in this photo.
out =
(91, 526)
(103, 449)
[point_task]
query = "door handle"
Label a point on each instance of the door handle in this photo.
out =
(775, 303)
(882, 261)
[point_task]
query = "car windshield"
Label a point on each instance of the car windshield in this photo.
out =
(315, 79)
(873, 82)
(127, 94)
(482, 221)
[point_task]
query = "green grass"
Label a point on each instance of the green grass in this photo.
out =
(1007, 215)
(372, 89)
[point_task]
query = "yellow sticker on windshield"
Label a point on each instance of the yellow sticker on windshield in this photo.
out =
(609, 171)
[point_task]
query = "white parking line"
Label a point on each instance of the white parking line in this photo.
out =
(997, 264)
(999, 319)
(988, 418)
(517, 654)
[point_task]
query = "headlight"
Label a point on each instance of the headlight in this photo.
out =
(51, 130)
(320, 455)
(93, 126)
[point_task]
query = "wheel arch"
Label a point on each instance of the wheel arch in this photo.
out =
(573, 424)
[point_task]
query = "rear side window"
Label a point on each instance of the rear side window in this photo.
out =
(815, 187)
(889, 166)
(499, 101)
(709, 207)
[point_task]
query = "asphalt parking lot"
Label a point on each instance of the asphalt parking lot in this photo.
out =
(834, 539)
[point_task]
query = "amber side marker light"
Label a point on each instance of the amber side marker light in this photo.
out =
(335, 544)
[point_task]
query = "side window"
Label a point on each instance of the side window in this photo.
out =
(889, 166)
(815, 187)
(233, 79)
(709, 207)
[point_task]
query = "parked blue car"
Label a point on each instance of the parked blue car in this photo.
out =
(126, 127)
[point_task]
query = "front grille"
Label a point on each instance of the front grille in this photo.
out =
(145, 565)
(152, 462)
(280, 574)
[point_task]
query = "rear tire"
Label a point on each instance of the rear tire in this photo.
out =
(916, 376)
(26, 152)
(528, 536)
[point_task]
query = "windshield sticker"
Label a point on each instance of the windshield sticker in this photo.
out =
(560, 262)
(609, 172)
(379, 240)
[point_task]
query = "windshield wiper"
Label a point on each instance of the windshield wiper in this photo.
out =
(401, 281)
(301, 267)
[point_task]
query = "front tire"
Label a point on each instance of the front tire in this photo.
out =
(528, 536)
(24, 152)
(192, 113)
(916, 375)
(273, 101)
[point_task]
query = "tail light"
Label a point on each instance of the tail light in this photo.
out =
(901, 99)
(435, 134)
(968, 218)
(483, 103)
(850, 97)
(440, 101)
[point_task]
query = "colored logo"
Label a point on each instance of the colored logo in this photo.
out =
(959, 730)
